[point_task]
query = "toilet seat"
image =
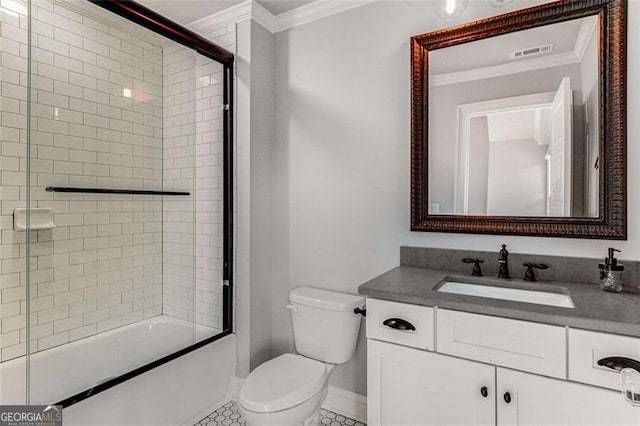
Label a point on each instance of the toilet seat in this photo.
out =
(282, 383)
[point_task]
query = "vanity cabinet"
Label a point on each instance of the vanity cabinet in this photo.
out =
(537, 400)
(470, 377)
(412, 386)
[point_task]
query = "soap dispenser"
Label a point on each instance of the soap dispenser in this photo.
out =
(611, 273)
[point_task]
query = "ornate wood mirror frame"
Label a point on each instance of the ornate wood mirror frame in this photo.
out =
(612, 220)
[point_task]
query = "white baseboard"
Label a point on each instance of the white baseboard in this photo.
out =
(234, 389)
(347, 403)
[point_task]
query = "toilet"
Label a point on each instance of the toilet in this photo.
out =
(289, 390)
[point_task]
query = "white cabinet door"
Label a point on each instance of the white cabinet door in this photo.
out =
(536, 400)
(410, 386)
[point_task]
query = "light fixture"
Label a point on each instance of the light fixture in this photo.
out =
(126, 93)
(450, 10)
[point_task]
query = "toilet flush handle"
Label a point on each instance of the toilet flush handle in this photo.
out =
(292, 308)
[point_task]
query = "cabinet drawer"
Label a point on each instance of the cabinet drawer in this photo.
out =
(419, 317)
(520, 345)
(587, 347)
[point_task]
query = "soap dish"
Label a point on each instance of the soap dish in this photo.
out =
(41, 218)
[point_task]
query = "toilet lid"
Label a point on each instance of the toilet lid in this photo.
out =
(282, 383)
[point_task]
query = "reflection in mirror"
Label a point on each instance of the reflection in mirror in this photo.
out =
(514, 124)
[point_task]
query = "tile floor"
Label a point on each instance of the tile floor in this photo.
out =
(228, 415)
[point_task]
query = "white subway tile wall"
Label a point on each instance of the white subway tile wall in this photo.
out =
(110, 109)
(209, 180)
(193, 161)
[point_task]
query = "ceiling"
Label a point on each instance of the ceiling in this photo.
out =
(187, 11)
(523, 124)
(280, 6)
(495, 51)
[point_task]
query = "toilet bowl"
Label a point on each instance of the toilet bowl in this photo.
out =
(290, 389)
(287, 390)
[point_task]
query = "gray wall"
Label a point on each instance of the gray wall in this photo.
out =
(517, 178)
(590, 100)
(261, 207)
(253, 204)
(341, 158)
(443, 112)
(479, 166)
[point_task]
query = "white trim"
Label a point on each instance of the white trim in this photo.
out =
(457, 182)
(313, 11)
(533, 101)
(587, 29)
(540, 62)
(263, 17)
(235, 386)
(250, 9)
(230, 15)
(347, 403)
(463, 142)
(537, 131)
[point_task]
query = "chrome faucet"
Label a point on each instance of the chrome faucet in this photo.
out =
(503, 260)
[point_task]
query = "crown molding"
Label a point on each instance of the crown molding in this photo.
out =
(263, 17)
(504, 69)
(250, 9)
(230, 15)
(313, 11)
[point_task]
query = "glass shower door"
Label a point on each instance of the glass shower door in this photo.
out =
(121, 168)
(14, 72)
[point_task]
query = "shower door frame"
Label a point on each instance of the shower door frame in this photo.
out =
(157, 23)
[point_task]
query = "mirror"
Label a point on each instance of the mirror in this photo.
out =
(518, 114)
(516, 126)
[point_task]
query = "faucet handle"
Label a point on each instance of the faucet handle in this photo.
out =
(530, 274)
(503, 254)
(477, 272)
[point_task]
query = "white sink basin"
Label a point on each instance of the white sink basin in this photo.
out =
(505, 293)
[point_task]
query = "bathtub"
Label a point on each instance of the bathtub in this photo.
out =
(173, 393)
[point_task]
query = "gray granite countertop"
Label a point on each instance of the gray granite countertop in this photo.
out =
(595, 310)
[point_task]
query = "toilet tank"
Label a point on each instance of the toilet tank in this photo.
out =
(325, 327)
